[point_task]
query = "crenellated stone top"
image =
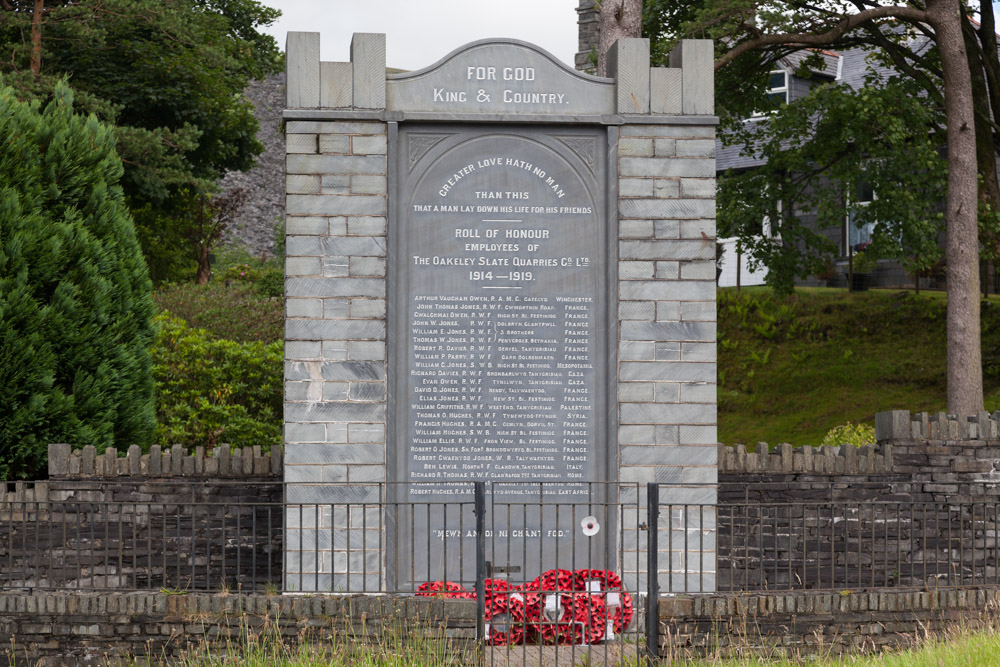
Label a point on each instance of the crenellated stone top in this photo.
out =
(498, 79)
(222, 461)
(910, 436)
(897, 425)
(843, 460)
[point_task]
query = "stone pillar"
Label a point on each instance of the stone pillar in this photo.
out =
(335, 328)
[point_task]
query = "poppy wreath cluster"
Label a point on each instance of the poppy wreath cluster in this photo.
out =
(584, 606)
(444, 589)
(504, 612)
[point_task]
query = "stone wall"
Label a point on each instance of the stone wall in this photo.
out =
(80, 628)
(920, 508)
(589, 34)
(804, 625)
(160, 520)
(219, 462)
(924, 458)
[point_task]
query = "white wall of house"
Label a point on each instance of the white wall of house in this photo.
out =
(729, 268)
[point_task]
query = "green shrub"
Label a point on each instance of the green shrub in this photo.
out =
(211, 391)
(850, 434)
(235, 266)
(271, 284)
(75, 308)
(236, 312)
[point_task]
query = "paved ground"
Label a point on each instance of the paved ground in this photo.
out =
(615, 653)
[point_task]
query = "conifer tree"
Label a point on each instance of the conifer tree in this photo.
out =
(75, 304)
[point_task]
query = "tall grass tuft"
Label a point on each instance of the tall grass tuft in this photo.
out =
(266, 643)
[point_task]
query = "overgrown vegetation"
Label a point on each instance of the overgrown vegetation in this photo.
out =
(236, 312)
(75, 303)
(849, 434)
(972, 649)
(395, 647)
(212, 390)
(218, 356)
(391, 643)
(791, 368)
(169, 76)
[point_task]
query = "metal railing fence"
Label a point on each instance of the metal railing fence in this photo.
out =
(841, 545)
(547, 564)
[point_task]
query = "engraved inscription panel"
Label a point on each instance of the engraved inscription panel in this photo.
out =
(500, 269)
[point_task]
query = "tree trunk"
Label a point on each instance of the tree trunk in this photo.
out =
(36, 37)
(618, 18)
(965, 369)
(204, 267)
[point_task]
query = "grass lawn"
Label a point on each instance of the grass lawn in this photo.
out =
(959, 649)
(978, 649)
(791, 369)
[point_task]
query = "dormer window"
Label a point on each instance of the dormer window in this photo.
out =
(777, 88)
(777, 92)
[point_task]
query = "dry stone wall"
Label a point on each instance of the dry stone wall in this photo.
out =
(67, 629)
(145, 521)
(920, 508)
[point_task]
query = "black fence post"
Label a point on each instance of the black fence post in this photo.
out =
(479, 509)
(652, 571)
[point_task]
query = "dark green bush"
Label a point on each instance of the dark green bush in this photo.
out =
(271, 284)
(236, 312)
(75, 305)
(211, 391)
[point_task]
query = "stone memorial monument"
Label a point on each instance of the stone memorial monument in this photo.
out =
(502, 270)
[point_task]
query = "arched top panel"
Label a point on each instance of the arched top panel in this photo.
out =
(498, 76)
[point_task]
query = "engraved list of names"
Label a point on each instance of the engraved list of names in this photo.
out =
(502, 264)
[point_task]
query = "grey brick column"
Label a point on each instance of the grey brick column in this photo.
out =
(667, 318)
(667, 357)
(335, 326)
(335, 354)
(335, 321)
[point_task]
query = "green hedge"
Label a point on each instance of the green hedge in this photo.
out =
(237, 311)
(75, 308)
(211, 391)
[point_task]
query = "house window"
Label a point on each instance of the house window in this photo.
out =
(777, 92)
(859, 234)
(777, 88)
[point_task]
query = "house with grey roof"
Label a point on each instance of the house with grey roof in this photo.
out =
(850, 67)
(786, 84)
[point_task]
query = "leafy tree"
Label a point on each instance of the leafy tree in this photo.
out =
(170, 76)
(752, 35)
(209, 218)
(75, 305)
(825, 145)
